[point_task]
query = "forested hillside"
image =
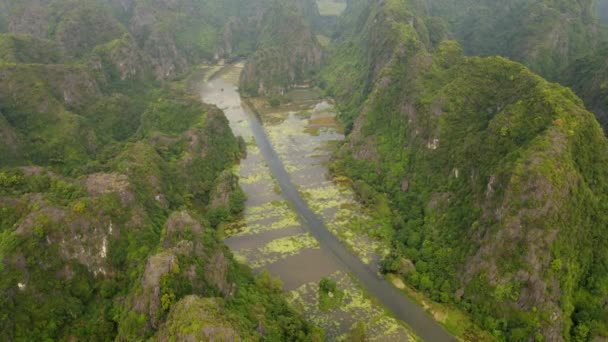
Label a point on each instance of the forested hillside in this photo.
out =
(174, 34)
(588, 77)
(288, 52)
(496, 178)
(114, 180)
(546, 36)
(560, 40)
(489, 182)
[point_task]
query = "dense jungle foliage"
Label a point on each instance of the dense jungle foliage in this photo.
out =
(485, 171)
(489, 183)
(115, 181)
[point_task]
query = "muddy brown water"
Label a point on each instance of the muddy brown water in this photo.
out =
(309, 264)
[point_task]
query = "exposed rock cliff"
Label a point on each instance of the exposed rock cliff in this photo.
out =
(197, 319)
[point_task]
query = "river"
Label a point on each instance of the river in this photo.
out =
(282, 232)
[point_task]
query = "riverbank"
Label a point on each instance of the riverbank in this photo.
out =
(270, 238)
(360, 229)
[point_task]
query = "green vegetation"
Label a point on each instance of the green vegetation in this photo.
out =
(358, 333)
(28, 49)
(531, 32)
(588, 77)
(483, 172)
(114, 181)
(331, 7)
(330, 297)
(287, 54)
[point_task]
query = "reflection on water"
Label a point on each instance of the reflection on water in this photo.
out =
(269, 235)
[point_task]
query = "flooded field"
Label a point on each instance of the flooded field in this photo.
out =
(286, 225)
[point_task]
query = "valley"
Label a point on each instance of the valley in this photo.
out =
(303, 170)
(289, 199)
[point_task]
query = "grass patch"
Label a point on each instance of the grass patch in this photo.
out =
(330, 297)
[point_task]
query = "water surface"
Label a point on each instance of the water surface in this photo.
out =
(295, 213)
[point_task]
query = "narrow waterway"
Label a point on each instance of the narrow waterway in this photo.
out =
(319, 252)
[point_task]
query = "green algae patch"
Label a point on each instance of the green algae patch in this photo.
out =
(324, 197)
(209, 71)
(240, 258)
(291, 244)
(344, 217)
(303, 140)
(277, 249)
(389, 329)
(254, 178)
(269, 216)
(254, 172)
(304, 136)
(355, 306)
(200, 75)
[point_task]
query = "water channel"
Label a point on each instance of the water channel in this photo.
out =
(301, 225)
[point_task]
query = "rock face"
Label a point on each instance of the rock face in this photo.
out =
(32, 19)
(78, 27)
(197, 319)
(216, 272)
(149, 302)
(179, 225)
(172, 35)
(287, 55)
(84, 27)
(121, 60)
(226, 186)
(483, 219)
(183, 257)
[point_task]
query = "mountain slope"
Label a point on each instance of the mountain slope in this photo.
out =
(544, 35)
(173, 34)
(490, 171)
(287, 53)
(114, 183)
(588, 77)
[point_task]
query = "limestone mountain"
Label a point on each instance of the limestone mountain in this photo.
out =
(495, 178)
(174, 34)
(544, 35)
(288, 52)
(115, 181)
(533, 33)
(588, 77)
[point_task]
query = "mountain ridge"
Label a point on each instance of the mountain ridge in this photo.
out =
(475, 156)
